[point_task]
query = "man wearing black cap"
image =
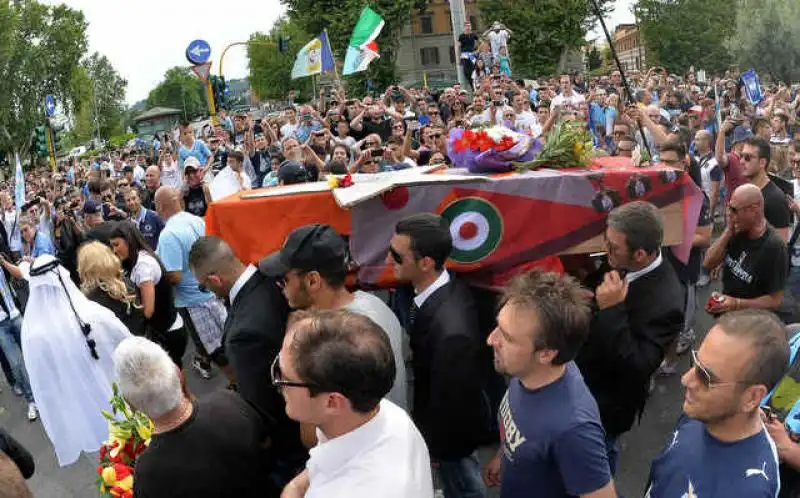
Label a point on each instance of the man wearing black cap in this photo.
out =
(313, 265)
(96, 228)
(252, 338)
(260, 157)
(219, 152)
(291, 172)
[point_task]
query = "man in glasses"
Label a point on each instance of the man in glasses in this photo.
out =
(755, 157)
(253, 334)
(312, 267)
(334, 369)
(450, 359)
(640, 312)
(720, 446)
(731, 162)
(553, 439)
(753, 254)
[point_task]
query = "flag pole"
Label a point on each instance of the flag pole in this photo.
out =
(631, 100)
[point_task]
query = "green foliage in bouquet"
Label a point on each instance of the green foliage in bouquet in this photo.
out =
(569, 145)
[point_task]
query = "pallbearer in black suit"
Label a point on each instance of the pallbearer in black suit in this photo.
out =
(449, 405)
(639, 313)
(252, 338)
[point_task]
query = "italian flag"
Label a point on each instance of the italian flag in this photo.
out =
(363, 49)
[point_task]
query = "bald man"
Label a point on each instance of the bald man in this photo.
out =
(152, 180)
(203, 314)
(754, 257)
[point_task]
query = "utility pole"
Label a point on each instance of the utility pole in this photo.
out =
(458, 17)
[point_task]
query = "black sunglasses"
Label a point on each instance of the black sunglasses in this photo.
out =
(276, 377)
(396, 256)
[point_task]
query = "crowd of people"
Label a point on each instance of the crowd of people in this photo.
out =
(335, 392)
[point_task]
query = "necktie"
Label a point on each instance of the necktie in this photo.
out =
(412, 314)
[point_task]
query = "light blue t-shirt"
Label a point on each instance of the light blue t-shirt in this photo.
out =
(199, 150)
(42, 244)
(174, 243)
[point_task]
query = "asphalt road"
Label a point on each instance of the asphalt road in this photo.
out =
(639, 446)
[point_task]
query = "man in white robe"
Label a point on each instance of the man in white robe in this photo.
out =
(67, 346)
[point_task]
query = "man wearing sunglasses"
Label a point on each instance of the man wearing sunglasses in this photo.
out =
(755, 259)
(720, 446)
(640, 312)
(252, 336)
(312, 267)
(450, 358)
(756, 155)
(334, 369)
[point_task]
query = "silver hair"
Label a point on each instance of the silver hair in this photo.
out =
(147, 377)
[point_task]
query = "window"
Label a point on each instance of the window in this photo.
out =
(452, 54)
(426, 24)
(474, 22)
(429, 56)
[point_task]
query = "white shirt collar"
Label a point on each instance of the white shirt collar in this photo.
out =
(327, 457)
(244, 277)
(630, 277)
(444, 279)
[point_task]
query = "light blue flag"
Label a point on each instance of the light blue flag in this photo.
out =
(19, 185)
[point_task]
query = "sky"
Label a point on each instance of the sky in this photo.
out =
(144, 38)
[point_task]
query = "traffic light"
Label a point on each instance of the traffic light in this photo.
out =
(283, 44)
(42, 147)
(221, 92)
(58, 131)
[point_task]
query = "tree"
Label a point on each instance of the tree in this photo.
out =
(181, 89)
(544, 31)
(270, 70)
(108, 88)
(766, 38)
(684, 33)
(340, 16)
(594, 60)
(41, 45)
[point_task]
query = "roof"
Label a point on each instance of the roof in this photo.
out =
(156, 112)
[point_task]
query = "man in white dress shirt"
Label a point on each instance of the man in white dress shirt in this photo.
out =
(333, 370)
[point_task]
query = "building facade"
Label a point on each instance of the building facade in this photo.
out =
(426, 44)
(629, 47)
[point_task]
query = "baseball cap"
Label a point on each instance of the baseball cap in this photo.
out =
(696, 109)
(309, 247)
(291, 172)
(92, 207)
(191, 162)
(740, 133)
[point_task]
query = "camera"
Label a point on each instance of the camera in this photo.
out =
(377, 152)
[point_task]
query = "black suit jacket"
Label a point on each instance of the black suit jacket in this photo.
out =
(627, 343)
(450, 407)
(253, 335)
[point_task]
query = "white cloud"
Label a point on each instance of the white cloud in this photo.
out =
(144, 38)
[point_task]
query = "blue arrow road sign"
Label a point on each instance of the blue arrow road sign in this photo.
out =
(198, 52)
(49, 106)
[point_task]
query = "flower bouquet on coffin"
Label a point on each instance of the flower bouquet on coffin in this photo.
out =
(569, 145)
(129, 435)
(491, 150)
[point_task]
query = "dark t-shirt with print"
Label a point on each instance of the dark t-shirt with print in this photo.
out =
(776, 208)
(552, 440)
(689, 272)
(755, 267)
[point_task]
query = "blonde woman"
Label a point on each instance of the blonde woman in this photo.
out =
(101, 280)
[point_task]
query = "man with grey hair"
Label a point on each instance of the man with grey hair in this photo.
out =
(640, 311)
(212, 447)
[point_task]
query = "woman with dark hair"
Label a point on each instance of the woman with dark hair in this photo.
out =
(163, 324)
